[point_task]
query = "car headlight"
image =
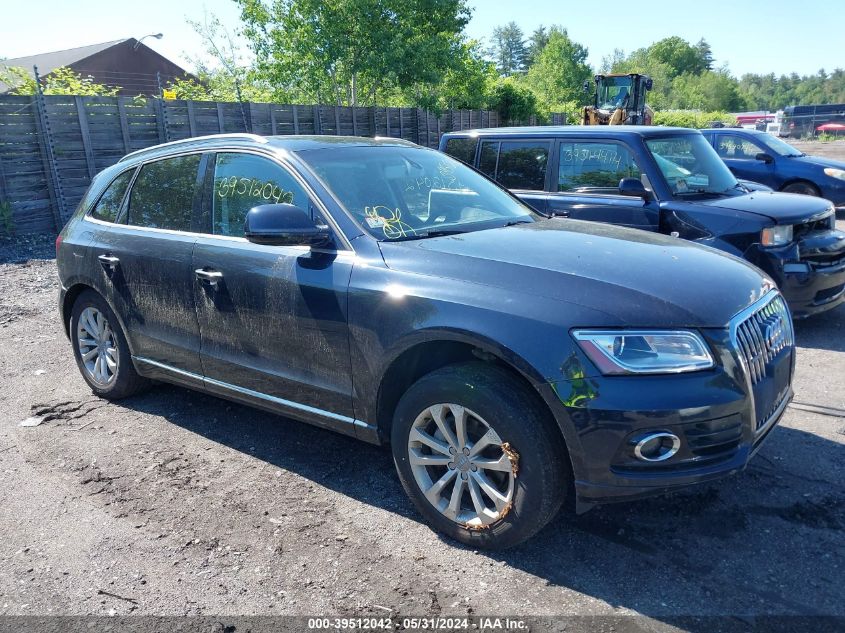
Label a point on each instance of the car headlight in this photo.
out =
(839, 174)
(644, 351)
(776, 235)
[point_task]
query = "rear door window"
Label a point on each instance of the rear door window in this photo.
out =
(243, 181)
(163, 194)
(522, 164)
(108, 207)
(516, 164)
(595, 166)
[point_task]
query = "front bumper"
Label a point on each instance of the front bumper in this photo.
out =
(809, 273)
(719, 416)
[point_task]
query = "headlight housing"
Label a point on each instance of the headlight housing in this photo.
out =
(839, 174)
(617, 352)
(776, 235)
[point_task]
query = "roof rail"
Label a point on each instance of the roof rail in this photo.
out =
(187, 141)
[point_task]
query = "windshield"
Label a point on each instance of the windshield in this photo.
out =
(614, 92)
(399, 193)
(778, 146)
(691, 166)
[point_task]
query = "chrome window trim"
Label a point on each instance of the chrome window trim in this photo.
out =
(290, 404)
(262, 152)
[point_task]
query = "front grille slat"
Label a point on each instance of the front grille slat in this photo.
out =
(762, 336)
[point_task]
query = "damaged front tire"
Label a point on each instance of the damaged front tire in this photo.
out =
(479, 456)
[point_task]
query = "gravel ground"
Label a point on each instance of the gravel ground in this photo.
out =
(829, 149)
(178, 503)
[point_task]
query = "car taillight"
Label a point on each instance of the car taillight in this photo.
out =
(58, 243)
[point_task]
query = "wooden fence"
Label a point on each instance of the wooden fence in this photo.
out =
(52, 146)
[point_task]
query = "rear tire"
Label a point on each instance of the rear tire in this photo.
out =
(803, 187)
(100, 349)
(519, 479)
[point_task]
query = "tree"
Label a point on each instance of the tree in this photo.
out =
(228, 76)
(352, 51)
(678, 54)
(464, 85)
(537, 42)
(558, 75)
(508, 50)
(61, 81)
(705, 54)
(514, 103)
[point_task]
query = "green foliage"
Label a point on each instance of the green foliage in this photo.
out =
(685, 77)
(351, 52)
(513, 102)
(827, 137)
(7, 221)
(558, 74)
(536, 43)
(508, 49)
(464, 85)
(692, 118)
(62, 81)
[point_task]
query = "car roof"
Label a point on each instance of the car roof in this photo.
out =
(576, 130)
(732, 130)
(242, 140)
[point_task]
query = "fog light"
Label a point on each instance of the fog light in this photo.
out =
(657, 447)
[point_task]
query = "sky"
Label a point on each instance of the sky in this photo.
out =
(759, 36)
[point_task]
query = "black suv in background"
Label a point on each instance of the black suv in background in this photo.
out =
(389, 292)
(666, 180)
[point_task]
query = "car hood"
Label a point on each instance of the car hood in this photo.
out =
(633, 277)
(818, 161)
(783, 208)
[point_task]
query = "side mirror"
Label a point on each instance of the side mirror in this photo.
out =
(766, 158)
(649, 83)
(586, 86)
(284, 225)
(634, 187)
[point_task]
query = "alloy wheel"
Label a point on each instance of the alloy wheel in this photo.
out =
(461, 465)
(97, 346)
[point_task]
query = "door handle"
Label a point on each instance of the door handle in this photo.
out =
(210, 277)
(109, 262)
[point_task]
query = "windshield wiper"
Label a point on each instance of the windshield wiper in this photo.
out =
(515, 222)
(421, 235)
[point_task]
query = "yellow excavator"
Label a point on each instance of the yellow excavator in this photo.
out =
(619, 100)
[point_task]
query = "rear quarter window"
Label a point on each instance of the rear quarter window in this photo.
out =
(462, 148)
(108, 206)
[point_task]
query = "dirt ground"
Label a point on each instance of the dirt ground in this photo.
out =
(176, 503)
(829, 149)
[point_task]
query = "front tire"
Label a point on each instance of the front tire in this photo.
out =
(479, 456)
(803, 187)
(100, 349)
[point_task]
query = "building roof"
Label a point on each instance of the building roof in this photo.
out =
(48, 62)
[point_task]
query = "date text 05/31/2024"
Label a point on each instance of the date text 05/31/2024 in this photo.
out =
(438, 623)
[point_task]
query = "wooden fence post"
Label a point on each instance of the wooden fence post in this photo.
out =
(295, 119)
(220, 117)
(318, 123)
(82, 115)
(124, 124)
(48, 159)
(192, 119)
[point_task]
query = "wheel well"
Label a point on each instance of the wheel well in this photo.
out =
(424, 358)
(794, 181)
(70, 298)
